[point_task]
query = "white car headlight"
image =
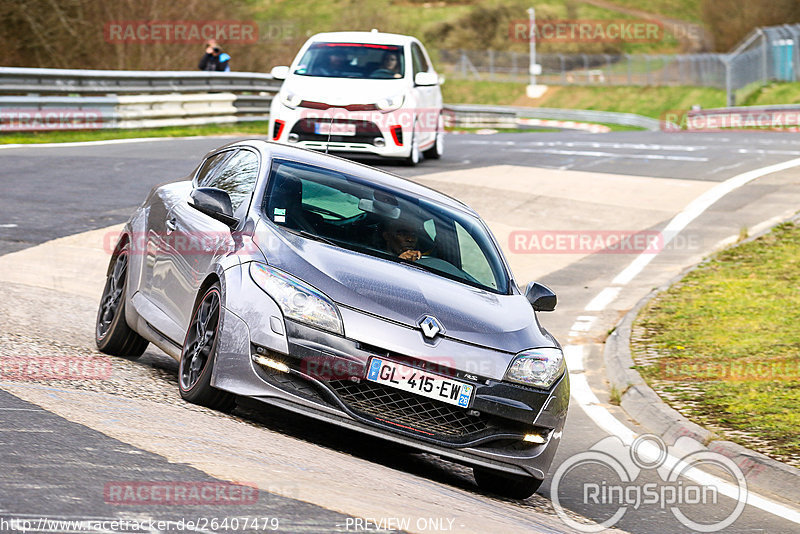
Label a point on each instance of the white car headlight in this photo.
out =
(298, 300)
(290, 100)
(537, 367)
(390, 104)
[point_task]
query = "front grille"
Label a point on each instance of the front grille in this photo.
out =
(366, 132)
(409, 411)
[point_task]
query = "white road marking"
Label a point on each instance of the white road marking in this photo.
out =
(762, 151)
(583, 323)
(598, 154)
(8, 225)
(97, 143)
(694, 210)
(581, 391)
(593, 144)
(603, 299)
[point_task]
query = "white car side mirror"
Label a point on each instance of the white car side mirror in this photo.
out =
(279, 73)
(426, 78)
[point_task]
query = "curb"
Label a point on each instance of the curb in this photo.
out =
(648, 409)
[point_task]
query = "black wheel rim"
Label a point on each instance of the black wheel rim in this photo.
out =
(111, 301)
(199, 340)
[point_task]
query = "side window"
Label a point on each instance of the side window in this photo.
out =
(420, 64)
(237, 176)
(473, 260)
(211, 167)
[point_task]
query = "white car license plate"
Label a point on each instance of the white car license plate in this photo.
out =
(337, 128)
(425, 384)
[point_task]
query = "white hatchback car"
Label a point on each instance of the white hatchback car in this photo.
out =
(367, 93)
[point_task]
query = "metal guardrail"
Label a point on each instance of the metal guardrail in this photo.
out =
(15, 80)
(132, 99)
(142, 99)
(469, 115)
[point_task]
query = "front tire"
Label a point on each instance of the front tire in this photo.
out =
(513, 486)
(198, 354)
(437, 150)
(112, 334)
(414, 156)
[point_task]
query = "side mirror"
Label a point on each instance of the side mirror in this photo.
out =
(541, 297)
(215, 203)
(279, 73)
(426, 78)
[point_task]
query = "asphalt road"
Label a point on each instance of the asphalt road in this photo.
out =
(60, 191)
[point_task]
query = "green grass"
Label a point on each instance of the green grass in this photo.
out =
(689, 10)
(774, 93)
(305, 17)
(724, 344)
(481, 92)
(246, 128)
(647, 101)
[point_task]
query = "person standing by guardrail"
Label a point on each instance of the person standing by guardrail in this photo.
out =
(215, 59)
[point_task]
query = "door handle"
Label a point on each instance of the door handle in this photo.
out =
(171, 225)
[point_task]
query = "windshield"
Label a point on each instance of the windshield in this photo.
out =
(351, 213)
(352, 60)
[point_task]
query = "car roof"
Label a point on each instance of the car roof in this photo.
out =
(363, 37)
(371, 174)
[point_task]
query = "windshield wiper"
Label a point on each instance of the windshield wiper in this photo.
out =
(309, 235)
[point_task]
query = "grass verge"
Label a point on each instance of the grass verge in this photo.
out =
(647, 101)
(723, 347)
(61, 136)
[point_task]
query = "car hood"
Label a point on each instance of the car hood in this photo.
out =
(343, 91)
(405, 294)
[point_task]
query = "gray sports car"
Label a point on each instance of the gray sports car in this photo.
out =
(344, 293)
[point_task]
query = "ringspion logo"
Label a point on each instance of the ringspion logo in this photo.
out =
(616, 477)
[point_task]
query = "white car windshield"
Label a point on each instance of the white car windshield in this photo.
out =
(353, 60)
(349, 212)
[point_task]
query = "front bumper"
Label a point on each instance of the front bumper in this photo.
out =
(373, 131)
(325, 381)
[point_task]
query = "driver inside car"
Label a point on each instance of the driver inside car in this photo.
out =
(402, 238)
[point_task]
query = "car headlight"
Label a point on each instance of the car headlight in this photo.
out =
(298, 300)
(537, 367)
(390, 104)
(290, 100)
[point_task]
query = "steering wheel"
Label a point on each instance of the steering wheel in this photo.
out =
(443, 266)
(323, 211)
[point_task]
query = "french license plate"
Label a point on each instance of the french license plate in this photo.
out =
(337, 128)
(422, 383)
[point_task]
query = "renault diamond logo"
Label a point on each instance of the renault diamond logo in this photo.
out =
(430, 326)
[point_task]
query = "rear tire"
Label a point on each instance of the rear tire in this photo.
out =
(199, 351)
(513, 486)
(112, 333)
